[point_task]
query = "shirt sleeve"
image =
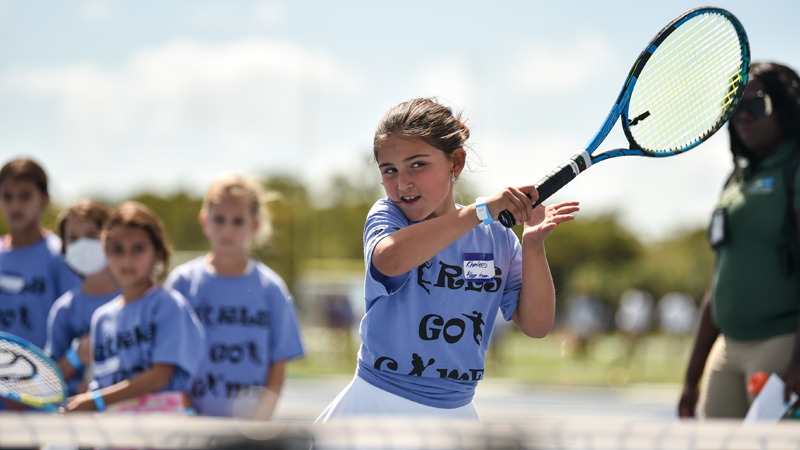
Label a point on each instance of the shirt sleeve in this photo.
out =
(180, 339)
(285, 340)
(383, 220)
(59, 337)
(510, 299)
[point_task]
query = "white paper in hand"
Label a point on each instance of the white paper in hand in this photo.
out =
(769, 406)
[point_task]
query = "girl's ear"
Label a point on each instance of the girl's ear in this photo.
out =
(459, 159)
(203, 217)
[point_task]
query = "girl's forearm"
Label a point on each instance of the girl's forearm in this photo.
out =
(151, 380)
(537, 299)
(273, 385)
(412, 246)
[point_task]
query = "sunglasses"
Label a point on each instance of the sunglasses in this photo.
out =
(759, 106)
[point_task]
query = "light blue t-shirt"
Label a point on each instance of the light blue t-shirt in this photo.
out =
(70, 318)
(426, 332)
(250, 322)
(31, 279)
(128, 339)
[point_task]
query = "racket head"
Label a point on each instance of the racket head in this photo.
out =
(28, 375)
(686, 83)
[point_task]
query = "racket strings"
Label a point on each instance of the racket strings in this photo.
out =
(28, 375)
(688, 86)
(678, 128)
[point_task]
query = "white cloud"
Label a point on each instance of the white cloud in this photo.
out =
(235, 94)
(548, 68)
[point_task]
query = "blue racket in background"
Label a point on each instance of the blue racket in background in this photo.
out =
(682, 88)
(28, 375)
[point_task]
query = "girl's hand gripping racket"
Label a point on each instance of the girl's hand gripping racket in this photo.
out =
(682, 88)
(28, 375)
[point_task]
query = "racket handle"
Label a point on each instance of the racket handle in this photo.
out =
(551, 183)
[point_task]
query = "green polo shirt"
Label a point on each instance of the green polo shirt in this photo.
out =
(752, 299)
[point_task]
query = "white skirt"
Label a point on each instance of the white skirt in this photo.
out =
(360, 398)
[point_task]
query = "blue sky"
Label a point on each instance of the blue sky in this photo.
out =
(114, 97)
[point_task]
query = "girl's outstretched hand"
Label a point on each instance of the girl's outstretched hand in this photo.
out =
(544, 219)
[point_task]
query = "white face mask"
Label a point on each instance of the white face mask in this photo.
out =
(86, 256)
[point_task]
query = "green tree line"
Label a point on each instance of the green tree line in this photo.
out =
(589, 255)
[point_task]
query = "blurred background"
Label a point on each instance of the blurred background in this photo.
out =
(151, 100)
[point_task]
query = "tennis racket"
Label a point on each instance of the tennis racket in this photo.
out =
(29, 376)
(682, 88)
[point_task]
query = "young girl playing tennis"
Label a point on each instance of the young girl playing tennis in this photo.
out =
(70, 316)
(438, 272)
(247, 311)
(148, 339)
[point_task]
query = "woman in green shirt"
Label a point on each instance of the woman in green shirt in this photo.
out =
(750, 315)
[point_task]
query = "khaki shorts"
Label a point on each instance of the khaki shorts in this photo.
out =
(730, 365)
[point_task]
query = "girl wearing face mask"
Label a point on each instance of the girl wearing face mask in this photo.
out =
(70, 316)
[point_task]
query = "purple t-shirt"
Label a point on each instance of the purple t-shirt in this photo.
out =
(31, 279)
(128, 339)
(426, 332)
(70, 318)
(250, 322)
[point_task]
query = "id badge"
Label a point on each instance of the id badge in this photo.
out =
(718, 235)
(478, 266)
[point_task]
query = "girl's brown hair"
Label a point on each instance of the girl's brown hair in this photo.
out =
(85, 210)
(27, 170)
(426, 119)
(136, 215)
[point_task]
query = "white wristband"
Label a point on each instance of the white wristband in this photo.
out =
(483, 211)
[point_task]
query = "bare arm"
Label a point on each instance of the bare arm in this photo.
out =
(704, 339)
(151, 380)
(412, 246)
(537, 298)
(274, 385)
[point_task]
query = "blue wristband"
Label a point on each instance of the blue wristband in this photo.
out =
(99, 403)
(483, 211)
(74, 360)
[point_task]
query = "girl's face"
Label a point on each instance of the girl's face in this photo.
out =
(418, 177)
(22, 203)
(760, 133)
(131, 255)
(229, 225)
(75, 229)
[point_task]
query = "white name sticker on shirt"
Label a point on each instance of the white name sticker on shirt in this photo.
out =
(107, 367)
(13, 284)
(478, 266)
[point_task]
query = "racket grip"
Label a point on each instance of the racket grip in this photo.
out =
(550, 184)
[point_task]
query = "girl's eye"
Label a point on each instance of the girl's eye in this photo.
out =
(389, 170)
(417, 164)
(114, 249)
(239, 221)
(218, 220)
(25, 196)
(138, 249)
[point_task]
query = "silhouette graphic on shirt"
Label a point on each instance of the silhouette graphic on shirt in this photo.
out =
(419, 365)
(420, 281)
(477, 326)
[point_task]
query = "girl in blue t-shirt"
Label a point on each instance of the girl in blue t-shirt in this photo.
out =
(147, 339)
(70, 316)
(250, 322)
(32, 273)
(438, 272)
